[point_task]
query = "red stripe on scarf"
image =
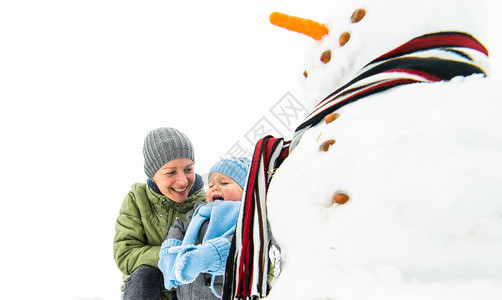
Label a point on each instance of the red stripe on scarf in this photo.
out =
(442, 39)
(247, 246)
(270, 145)
(373, 89)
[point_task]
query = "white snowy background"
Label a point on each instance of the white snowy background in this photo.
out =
(82, 82)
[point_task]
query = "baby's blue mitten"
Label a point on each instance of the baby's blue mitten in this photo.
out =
(166, 262)
(209, 257)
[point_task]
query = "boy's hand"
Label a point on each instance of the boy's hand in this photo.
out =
(167, 261)
(210, 257)
(193, 262)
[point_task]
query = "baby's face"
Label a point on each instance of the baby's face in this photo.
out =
(222, 187)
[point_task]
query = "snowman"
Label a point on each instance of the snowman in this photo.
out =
(392, 188)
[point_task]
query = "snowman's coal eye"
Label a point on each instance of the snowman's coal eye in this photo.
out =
(340, 198)
(358, 15)
(326, 56)
(344, 38)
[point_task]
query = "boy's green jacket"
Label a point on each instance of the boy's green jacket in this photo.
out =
(142, 225)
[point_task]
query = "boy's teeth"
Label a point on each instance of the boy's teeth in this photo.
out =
(180, 190)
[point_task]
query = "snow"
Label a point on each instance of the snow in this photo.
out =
(424, 210)
(421, 165)
(376, 34)
(83, 82)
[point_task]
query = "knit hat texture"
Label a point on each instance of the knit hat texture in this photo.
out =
(236, 168)
(163, 145)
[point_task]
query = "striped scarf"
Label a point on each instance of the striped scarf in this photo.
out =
(428, 58)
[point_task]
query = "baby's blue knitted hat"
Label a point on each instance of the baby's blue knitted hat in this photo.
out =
(236, 168)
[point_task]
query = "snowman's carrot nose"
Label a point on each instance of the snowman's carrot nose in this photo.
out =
(308, 27)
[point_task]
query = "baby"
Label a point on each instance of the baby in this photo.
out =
(193, 257)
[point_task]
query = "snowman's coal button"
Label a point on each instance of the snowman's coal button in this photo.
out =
(326, 56)
(331, 117)
(325, 146)
(358, 15)
(339, 198)
(344, 38)
(305, 74)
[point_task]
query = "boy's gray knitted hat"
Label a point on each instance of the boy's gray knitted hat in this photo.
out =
(163, 145)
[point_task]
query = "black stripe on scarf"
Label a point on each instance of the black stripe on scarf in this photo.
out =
(442, 69)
